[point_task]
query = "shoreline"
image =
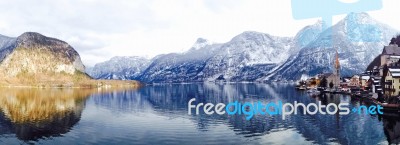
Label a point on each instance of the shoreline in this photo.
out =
(84, 84)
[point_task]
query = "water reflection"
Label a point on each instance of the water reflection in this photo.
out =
(392, 129)
(31, 114)
(171, 100)
(158, 115)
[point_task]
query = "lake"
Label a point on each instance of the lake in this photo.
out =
(158, 114)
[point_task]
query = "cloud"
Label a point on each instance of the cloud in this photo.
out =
(101, 29)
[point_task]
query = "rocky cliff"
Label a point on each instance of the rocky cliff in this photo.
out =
(37, 58)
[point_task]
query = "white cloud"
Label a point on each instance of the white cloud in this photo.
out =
(101, 29)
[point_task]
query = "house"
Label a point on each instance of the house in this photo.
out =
(354, 81)
(374, 83)
(312, 82)
(390, 54)
(376, 71)
(364, 81)
(392, 82)
(346, 79)
(345, 82)
(392, 61)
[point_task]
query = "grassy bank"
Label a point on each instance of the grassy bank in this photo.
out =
(63, 80)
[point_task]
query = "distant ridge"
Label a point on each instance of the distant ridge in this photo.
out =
(255, 56)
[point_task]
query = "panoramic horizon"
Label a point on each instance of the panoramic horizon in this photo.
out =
(150, 28)
(200, 72)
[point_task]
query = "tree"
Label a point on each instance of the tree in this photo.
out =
(395, 40)
(385, 73)
(323, 83)
(331, 85)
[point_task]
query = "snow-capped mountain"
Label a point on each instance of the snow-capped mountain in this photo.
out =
(119, 67)
(200, 43)
(308, 34)
(351, 37)
(255, 56)
(6, 46)
(181, 67)
(245, 57)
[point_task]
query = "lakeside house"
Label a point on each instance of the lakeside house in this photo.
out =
(354, 81)
(392, 82)
(384, 77)
(364, 81)
(375, 84)
(390, 54)
(344, 83)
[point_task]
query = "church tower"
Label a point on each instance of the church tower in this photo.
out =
(337, 71)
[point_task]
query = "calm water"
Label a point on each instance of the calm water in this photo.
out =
(158, 115)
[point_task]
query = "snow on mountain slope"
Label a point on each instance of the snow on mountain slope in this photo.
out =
(254, 56)
(119, 67)
(6, 46)
(346, 36)
(200, 43)
(247, 57)
(180, 67)
(301, 39)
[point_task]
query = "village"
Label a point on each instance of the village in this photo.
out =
(380, 83)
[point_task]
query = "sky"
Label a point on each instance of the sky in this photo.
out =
(101, 29)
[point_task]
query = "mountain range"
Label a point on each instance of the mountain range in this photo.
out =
(255, 56)
(131, 67)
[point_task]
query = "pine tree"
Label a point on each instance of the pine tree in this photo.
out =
(323, 82)
(331, 85)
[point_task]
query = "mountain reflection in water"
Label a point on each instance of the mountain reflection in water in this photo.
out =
(37, 113)
(158, 115)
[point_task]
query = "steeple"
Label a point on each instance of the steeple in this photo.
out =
(337, 63)
(337, 70)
